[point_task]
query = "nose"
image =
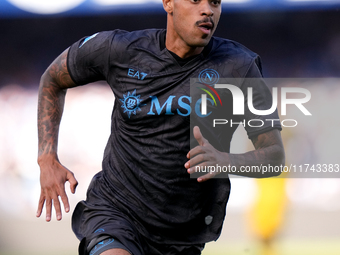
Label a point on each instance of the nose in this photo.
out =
(206, 9)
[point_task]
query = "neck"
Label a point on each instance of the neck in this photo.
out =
(176, 45)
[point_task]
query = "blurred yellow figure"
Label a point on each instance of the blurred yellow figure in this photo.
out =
(266, 215)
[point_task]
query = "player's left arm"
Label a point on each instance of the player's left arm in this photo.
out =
(268, 151)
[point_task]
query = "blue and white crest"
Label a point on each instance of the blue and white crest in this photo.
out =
(209, 76)
(131, 103)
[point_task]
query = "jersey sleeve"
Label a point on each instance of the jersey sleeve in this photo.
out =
(262, 100)
(88, 59)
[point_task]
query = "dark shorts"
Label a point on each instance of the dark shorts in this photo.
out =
(110, 243)
(105, 244)
(95, 220)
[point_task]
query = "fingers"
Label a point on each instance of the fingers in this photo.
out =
(206, 168)
(192, 154)
(40, 205)
(48, 201)
(57, 207)
(56, 203)
(64, 199)
(201, 141)
(53, 177)
(48, 209)
(73, 182)
(197, 154)
(73, 185)
(196, 157)
(206, 177)
(199, 137)
(202, 157)
(50, 197)
(42, 201)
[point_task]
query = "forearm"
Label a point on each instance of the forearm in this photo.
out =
(268, 151)
(50, 109)
(52, 90)
(252, 163)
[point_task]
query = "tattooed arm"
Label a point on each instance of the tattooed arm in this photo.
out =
(268, 151)
(53, 85)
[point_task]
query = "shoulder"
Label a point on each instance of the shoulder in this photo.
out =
(137, 34)
(232, 48)
(121, 41)
(236, 54)
(140, 36)
(118, 36)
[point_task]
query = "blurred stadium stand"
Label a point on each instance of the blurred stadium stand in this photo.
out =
(294, 38)
(15, 8)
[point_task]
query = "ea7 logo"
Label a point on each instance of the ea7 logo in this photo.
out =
(136, 74)
(238, 100)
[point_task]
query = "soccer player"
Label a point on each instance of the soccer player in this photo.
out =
(144, 201)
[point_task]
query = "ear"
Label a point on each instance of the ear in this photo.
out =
(167, 5)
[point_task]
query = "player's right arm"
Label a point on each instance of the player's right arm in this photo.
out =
(53, 175)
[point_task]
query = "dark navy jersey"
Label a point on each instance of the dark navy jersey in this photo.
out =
(143, 165)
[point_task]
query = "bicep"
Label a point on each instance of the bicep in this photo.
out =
(267, 139)
(269, 147)
(58, 72)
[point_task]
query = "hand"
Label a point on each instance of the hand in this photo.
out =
(204, 155)
(52, 180)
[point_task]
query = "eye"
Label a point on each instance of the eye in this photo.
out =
(195, 1)
(216, 2)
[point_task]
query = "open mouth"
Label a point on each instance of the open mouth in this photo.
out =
(205, 26)
(208, 25)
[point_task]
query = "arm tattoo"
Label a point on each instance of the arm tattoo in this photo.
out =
(268, 150)
(52, 93)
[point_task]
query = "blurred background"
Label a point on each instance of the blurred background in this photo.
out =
(295, 38)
